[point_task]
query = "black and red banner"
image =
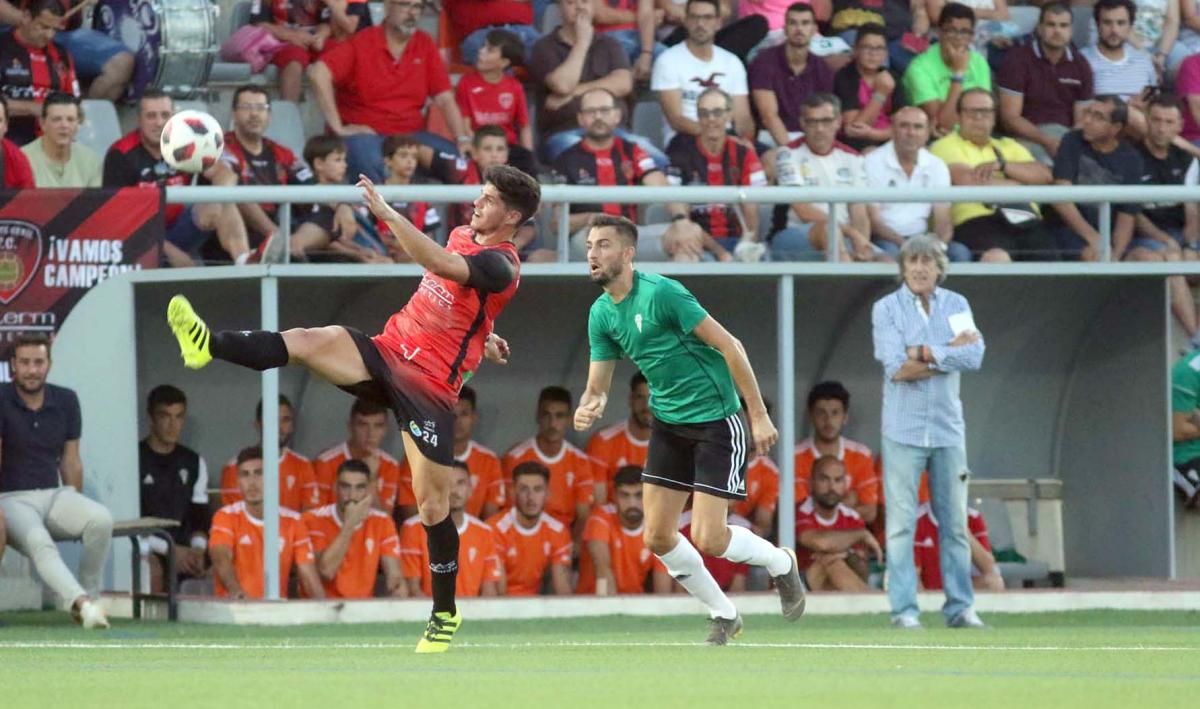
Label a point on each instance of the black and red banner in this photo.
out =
(57, 244)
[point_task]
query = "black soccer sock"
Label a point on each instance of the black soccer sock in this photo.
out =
(256, 349)
(443, 563)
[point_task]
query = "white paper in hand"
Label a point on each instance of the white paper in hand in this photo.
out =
(962, 322)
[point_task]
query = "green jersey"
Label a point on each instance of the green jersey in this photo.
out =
(689, 381)
(1185, 399)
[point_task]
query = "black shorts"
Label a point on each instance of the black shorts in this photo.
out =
(406, 391)
(321, 215)
(700, 457)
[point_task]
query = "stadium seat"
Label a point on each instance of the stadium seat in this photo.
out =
(551, 18)
(648, 121)
(237, 72)
(1000, 535)
(287, 125)
(219, 111)
(377, 13)
(1025, 16)
(101, 127)
(655, 214)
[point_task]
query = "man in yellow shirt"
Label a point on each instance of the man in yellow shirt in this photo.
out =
(57, 160)
(994, 233)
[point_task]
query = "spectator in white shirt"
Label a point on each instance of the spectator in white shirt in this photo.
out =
(904, 162)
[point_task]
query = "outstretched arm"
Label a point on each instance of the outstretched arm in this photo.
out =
(713, 334)
(595, 397)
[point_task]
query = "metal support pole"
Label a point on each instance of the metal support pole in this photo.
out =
(269, 288)
(1105, 231)
(833, 240)
(564, 232)
(285, 229)
(785, 306)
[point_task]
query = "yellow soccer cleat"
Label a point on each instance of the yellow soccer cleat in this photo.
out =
(190, 330)
(440, 631)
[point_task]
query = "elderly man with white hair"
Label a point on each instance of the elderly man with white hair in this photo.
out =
(925, 336)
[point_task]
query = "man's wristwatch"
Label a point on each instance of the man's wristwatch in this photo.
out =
(956, 78)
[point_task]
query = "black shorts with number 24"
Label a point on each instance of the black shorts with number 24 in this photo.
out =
(701, 457)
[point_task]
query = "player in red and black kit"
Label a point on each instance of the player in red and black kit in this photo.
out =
(420, 361)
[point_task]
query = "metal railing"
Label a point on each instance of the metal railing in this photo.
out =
(565, 195)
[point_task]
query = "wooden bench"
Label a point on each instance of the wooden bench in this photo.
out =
(150, 527)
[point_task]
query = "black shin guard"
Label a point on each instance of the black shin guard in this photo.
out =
(443, 563)
(256, 349)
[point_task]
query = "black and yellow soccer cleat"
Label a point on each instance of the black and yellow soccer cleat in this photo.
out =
(190, 330)
(439, 632)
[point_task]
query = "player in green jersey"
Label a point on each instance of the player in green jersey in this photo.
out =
(698, 440)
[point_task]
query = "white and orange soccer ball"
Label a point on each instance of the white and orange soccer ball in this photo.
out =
(192, 141)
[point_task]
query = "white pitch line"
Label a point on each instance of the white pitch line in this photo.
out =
(582, 644)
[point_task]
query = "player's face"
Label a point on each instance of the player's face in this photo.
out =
(629, 505)
(402, 15)
(1055, 30)
(41, 29)
(250, 481)
(821, 125)
(870, 51)
(553, 418)
(799, 28)
(639, 405)
(152, 116)
(490, 211)
(828, 419)
(910, 126)
(460, 488)
(287, 425)
(30, 364)
(403, 162)
(1114, 27)
(702, 22)
(608, 255)
(530, 491)
(367, 432)
(920, 274)
(1164, 123)
(465, 418)
(352, 486)
(491, 151)
(829, 485)
(61, 124)
(331, 169)
(251, 114)
(166, 422)
(713, 114)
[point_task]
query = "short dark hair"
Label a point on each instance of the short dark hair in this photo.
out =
(248, 89)
(364, 407)
(531, 467)
(509, 44)
(322, 146)
(60, 98)
(972, 92)
(29, 339)
(249, 453)
(1053, 8)
(1120, 109)
(715, 3)
(1106, 5)
(828, 390)
(353, 465)
(636, 379)
(392, 143)
(624, 227)
(628, 475)
(800, 7)
(467, 394)
(461, 465)
(488, 132)
(152, 94)
(868, 30)
(554, 393)
(518, 190)
(283, 401)
(165, 395)
(1165, 100)
(819, 99)
(955, 11)
(54, 7)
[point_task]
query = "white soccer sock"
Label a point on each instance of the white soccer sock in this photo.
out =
(746, 547)
(685, 566)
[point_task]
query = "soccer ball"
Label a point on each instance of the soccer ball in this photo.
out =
(192, 141)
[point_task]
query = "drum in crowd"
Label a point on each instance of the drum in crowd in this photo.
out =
(174, 41)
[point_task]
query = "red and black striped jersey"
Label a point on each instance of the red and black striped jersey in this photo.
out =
(622, 163)
(129, 164)
(735, 165)
(29, 73)
(275, 165)
(290, 13)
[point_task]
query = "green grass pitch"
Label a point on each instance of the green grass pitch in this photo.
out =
(1081, 659)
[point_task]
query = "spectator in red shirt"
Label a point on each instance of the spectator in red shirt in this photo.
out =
(985, 575)
(473, 19)
(377, 83)
(15, 171)
(490, 96)
(33, 66)
(303, 28)
(830, 536)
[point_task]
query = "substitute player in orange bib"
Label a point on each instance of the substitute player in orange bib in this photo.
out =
(417, 365)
